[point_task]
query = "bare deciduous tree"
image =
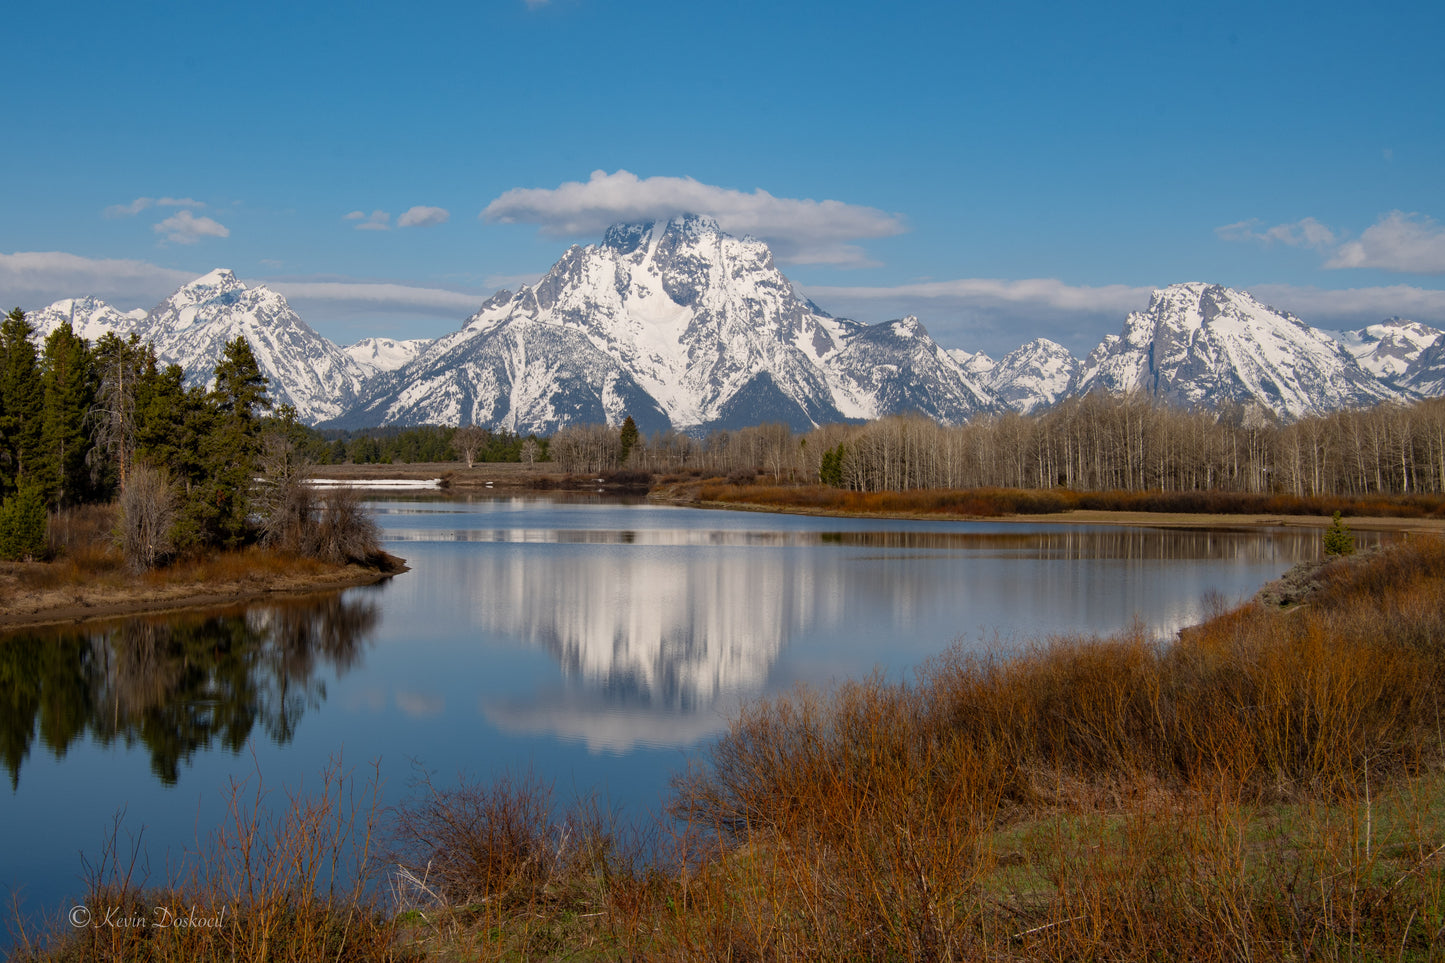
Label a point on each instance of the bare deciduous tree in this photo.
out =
(147, 512)
(470, 439)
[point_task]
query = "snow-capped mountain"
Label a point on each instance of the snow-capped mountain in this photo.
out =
(1035, 375)
(1388, 348)
(1426, 374)
(676, 324)
(1202, 344)
(375, 355)
(90, 318)
(191, 327)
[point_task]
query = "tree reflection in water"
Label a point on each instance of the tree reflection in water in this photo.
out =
(179, 684)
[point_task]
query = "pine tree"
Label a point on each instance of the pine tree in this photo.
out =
(628, 436)
(23, 521)
(68, 377)
(232, 444)
(21, 402)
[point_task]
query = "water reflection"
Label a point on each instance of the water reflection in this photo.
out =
(661, 632)
(176, 685)
(1070, 543)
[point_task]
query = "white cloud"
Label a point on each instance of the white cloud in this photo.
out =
(423, 217)
(375, 221)
(1404, 243)
(1307, 232)
(1352, 307)
(401, 298)
(800, 231)
(183, 227)
(35, 279)
(142, 203)
(1042, 294)
(1398, 242)
(993, 315)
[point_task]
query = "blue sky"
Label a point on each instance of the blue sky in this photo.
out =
(1004, 171)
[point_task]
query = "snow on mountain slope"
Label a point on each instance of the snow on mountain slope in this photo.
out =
(375, 355)
(1035, 375)
(1202, 344)
(1388, 348)
(677, 324)
(896, 367)
(191, 327)
(1426, 374)
(975, 364)
(91, 318)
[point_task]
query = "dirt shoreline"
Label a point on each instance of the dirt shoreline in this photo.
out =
(29, 608)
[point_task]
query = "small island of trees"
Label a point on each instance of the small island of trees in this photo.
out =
(84, 424)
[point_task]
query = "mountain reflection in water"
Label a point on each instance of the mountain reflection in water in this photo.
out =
(177, 684)
(661, 632)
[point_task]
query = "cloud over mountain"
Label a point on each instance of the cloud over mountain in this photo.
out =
(800, 231)
(34, 278)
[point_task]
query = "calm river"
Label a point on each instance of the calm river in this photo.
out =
(597, 642)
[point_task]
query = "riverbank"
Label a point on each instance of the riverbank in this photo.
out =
(1058, 507)
(63, 592)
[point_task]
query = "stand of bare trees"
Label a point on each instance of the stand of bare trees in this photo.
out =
(1094, 443)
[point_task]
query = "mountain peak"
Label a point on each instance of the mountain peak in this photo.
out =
(626, 238)
(1200, 344)
(214, 283)
(693, 225)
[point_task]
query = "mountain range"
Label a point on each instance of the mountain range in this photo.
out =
(683, 326)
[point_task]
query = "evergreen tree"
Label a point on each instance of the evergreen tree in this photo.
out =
(23, 521)
(68, 378)
(21, 402)
(170, 422)
(1338, 538)
(628, 436)
(232, 444)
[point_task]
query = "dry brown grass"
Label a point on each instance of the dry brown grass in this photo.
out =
(995, 502)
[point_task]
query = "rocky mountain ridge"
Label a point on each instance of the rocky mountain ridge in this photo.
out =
(683, 326)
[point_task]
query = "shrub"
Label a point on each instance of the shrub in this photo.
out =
(343, 532)
(147, 514)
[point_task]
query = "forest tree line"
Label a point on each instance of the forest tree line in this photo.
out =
(1094, 443)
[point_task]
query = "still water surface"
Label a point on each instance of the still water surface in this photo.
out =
(596, 642)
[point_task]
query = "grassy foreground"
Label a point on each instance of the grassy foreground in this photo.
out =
(1269, 785)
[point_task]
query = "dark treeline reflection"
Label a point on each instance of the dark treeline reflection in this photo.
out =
(1070, 543)
(176, 685)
